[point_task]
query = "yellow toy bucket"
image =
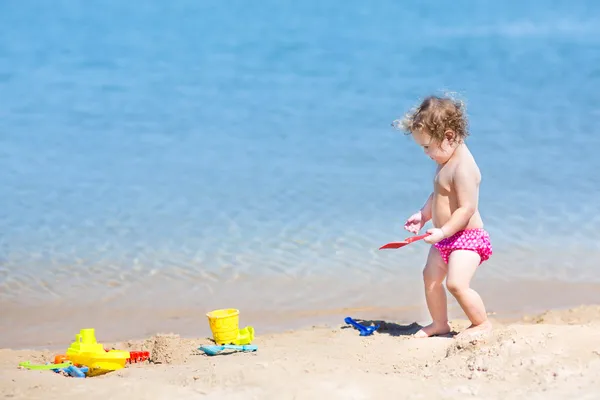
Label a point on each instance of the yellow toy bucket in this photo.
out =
(224, 325)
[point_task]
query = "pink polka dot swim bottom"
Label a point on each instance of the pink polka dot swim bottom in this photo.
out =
(477, 240)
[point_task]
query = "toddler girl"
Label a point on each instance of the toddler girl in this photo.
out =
(459, 242)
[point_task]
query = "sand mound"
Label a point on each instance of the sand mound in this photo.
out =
(526, 356)
(164, 348)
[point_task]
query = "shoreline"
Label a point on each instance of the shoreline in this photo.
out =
(52, 323)
(555, 353)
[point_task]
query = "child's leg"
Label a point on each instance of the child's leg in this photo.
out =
(462, 265)
(433, 275)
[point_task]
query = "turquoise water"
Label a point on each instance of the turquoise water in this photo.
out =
(237, 152)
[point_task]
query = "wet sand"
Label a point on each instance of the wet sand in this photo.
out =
(142, 312)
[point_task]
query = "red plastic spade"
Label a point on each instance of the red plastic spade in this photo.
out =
(397, 245)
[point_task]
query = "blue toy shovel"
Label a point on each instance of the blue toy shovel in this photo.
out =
(213, 350)
(364, 330)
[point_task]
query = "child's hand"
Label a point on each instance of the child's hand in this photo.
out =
(414, 223)
(435, 235)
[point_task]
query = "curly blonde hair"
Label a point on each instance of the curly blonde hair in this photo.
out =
(436, 115)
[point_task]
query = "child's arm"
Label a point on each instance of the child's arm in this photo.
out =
(416, 221)
(426, 209)
(466, 185)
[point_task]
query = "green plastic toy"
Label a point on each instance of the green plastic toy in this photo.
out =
(44, 367)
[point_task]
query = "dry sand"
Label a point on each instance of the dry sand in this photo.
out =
(551, 356)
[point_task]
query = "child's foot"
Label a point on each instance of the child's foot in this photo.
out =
(433, 330)
(476, 331)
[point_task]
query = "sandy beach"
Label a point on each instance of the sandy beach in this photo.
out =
(552, 355)
(161, 160)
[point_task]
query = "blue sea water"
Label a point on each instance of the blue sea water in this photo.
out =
(234, 144)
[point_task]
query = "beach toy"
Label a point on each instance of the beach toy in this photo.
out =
(60, 358)
(76, 372)
(44, 367)
(364, 330)
(85, 342)
(212, 350)
(138, 356)
(245, 336)
(397, 245)
(86, 351)
(224, 325)
(100, 363)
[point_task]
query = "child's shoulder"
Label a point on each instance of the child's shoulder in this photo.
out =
(466, 166)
